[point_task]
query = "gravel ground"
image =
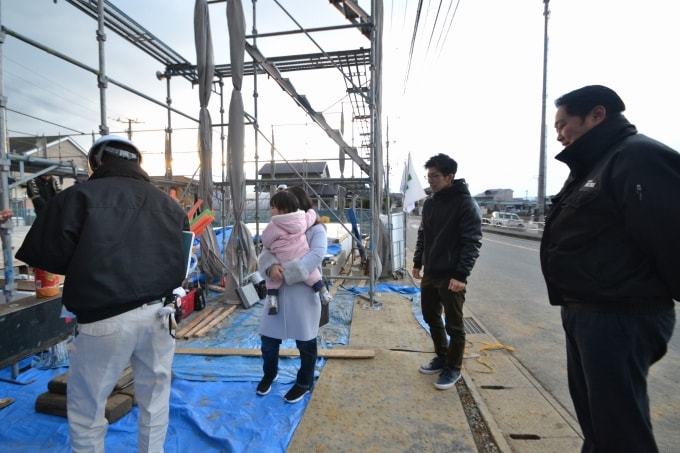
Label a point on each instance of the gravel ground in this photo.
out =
(480, 431)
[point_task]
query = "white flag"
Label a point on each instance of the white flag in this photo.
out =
(411, 187)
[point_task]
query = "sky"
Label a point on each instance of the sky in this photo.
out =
(470, 87)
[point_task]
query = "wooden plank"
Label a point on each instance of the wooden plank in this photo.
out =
(117, 405)
(217, 288)
(22, 267)
(344, 353)
(194, 322)
(23, 284)
(51, 403)
(214, 322)
(59, 384)
(129, 391)
(215, 313)
(204, 322)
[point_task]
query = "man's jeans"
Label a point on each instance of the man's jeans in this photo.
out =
(435, 296)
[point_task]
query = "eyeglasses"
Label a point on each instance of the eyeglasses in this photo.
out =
(433, 176)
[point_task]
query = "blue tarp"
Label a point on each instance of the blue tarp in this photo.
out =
(386, 287)
(213, 404)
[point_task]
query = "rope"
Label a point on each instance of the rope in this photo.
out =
(483, 353)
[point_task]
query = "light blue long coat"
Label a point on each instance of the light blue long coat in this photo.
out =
(299, 304)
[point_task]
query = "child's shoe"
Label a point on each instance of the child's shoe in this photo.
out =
(273, 304)
(325, 297)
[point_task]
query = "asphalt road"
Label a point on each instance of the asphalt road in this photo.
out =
(507, 294)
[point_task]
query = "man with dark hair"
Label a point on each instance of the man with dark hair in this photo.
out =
(105, 235)
(610, 255)
(449, 239)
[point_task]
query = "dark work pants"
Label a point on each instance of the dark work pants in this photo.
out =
(608, 359)
(435, 296)
(308, 354)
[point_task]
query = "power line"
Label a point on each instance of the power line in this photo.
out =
(88, 133)
(436, 18)
(45, 121)
(92, 106)
(413, 41)
(450, 24)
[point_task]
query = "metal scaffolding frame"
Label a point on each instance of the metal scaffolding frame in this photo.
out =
(360, 70)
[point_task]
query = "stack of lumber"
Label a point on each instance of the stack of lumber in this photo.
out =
(120, 401)
(204, 321)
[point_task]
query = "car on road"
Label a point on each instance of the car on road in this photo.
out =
(506, 219)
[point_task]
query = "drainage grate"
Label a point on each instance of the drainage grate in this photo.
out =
(525, 436)
(471, 326)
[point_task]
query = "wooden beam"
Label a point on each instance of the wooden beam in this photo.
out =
(214, 322)
(213, 314)
(194, 322)
(251, 352)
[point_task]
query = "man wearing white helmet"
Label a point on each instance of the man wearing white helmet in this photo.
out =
(118, 241)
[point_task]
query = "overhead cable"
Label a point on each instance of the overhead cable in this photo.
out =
(449, 26)
(413, 40)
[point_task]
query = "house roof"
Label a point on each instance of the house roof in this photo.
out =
(292, 169)
(61, 154)
(24, 145)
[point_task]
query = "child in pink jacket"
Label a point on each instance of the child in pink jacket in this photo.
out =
(284, 236)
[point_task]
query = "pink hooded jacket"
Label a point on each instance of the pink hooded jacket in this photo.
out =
(284, 236)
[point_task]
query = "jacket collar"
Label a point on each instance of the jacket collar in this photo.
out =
(120, 167)
(458, 186)
(582, 154)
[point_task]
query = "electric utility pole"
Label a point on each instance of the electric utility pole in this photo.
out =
(540, 198)
(129, 122)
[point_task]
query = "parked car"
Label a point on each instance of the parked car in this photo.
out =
(506, 219)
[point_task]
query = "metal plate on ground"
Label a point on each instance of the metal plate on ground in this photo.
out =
(471, 326)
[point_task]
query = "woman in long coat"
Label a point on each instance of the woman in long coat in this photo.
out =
(299, 310)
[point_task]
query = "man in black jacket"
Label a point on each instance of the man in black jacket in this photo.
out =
(610, 255)
(118, 241)
(449, 239)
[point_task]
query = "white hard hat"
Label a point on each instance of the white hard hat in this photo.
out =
(114, 145)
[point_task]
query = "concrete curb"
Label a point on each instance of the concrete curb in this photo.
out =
(497, 424)
(530, 235)
(491, 424)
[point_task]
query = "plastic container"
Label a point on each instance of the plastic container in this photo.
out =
(188, 303)
(46, 283)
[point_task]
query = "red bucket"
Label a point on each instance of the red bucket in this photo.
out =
(46, 283)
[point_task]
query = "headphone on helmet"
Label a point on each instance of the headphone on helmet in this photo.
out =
(114, 145)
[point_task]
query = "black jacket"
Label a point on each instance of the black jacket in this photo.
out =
(116, 238)
(450, 234)
(612, 238)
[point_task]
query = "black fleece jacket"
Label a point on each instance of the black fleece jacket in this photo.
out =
(450, 234)
(116, 238)
(612, 237)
